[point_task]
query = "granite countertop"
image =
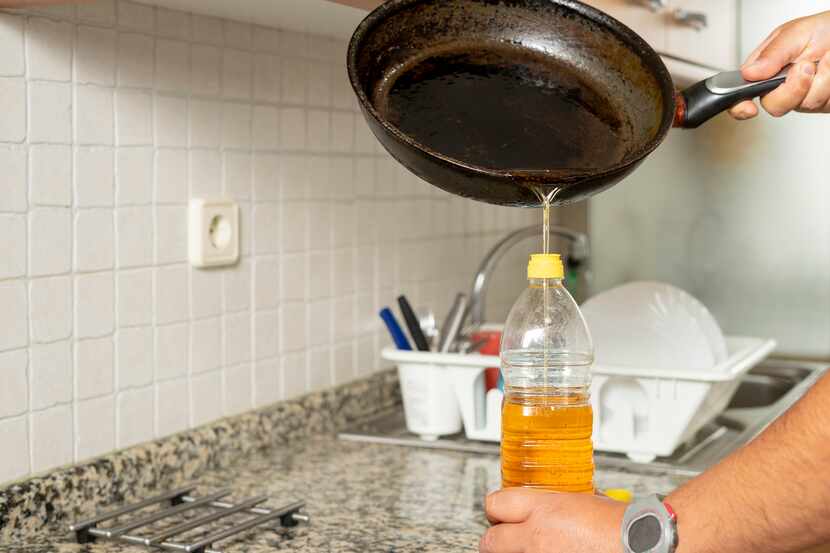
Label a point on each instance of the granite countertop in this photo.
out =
(361, 497)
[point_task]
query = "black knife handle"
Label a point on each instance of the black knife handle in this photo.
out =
(413, 325)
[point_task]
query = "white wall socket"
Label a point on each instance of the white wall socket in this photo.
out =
(213, 233)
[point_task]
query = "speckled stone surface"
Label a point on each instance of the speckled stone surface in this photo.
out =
(361, 497)
(73, 492)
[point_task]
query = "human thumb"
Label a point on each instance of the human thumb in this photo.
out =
(782, 51)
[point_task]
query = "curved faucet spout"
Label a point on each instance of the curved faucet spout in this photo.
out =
(579, 251)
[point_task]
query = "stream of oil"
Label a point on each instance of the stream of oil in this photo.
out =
(547, 197)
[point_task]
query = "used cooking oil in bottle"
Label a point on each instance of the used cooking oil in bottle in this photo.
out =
(546, 357)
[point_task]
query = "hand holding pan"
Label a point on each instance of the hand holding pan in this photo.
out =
(708, 98)
(509, 101)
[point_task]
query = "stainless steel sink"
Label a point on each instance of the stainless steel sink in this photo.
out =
(764, 394)
(765, 385)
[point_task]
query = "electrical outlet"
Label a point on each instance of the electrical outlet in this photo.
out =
(213, 236)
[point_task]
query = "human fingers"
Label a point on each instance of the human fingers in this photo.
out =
(819, 94)
(783, 49)
(504, 538)
(743, 111)
(793, 92)
(514, 504)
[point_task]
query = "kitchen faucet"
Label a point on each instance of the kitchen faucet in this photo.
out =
(579, 251)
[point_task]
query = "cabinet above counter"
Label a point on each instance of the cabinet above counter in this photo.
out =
(695, 37)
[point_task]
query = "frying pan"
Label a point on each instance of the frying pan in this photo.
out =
(512, 101)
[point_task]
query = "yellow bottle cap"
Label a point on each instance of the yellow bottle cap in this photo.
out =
(545, 266)
(619, 494)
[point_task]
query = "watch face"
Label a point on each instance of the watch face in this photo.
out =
(644, 534)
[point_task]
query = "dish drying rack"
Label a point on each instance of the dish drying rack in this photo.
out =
(182, 502)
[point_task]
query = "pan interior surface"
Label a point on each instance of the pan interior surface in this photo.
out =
(502, 106)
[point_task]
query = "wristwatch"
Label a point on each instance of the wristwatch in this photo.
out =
(649, 526)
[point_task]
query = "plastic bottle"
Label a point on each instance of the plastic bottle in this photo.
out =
(546, 358)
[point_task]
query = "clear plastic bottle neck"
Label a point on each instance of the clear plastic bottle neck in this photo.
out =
(543, 281)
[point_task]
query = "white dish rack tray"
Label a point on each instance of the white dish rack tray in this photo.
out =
(643, 413)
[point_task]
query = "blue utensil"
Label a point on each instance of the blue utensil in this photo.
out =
(395, 329)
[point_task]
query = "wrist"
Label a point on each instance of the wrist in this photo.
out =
(692, 536)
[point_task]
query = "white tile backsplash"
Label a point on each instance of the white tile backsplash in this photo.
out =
(94, 177)
(94, 240)
(134, 228)
(50, 173)
(94, 427)
(171, 121)
(11, 44)
(50, 366)
(205, 397)
(207, 29)
(237, 333)
(137, 17)
(136, 60)
(171, 234)
(135, 297)
(50, 241)
(237, 73)
(172, 297)
(171, 347)
(172, 23)
(94, 367)
(94, 115)
(133, 118)
(171, 176)
(135, 410)
(170, 417)
(205, 345)
(14, 394)
(236, 385)
(113, 120)
(134, 169)
(172, 65)
(94, 305)
(15, 435)
(101, 12)
(236, 182)
(51, 438)
(205, 74)
(13, 178)
(52, 121)
(50, 309)
(134, 357)
(266, 77)
(237, 287)
(13, 97)
(49, 49)
(95, 56)
(13, 244)
(236, 125)
(205, 293)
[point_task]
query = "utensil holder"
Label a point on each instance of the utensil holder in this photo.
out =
(443, 391)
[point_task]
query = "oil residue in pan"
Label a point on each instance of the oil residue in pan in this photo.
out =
(503, 107)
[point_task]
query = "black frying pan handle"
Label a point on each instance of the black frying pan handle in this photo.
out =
(717, 94)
